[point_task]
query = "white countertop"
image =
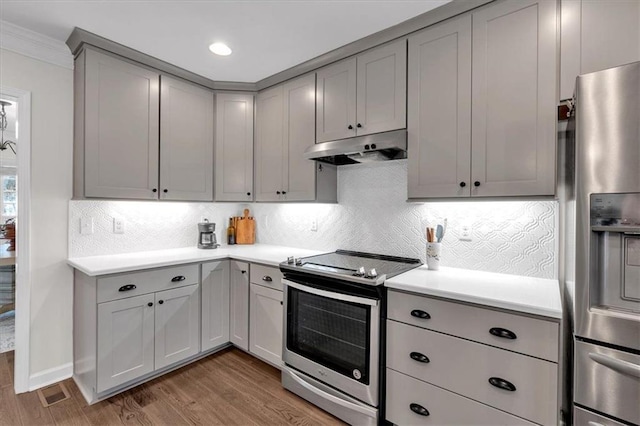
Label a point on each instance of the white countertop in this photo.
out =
(257, 253)
(537, 296)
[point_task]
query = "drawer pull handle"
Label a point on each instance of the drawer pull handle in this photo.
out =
(127, 287)
(419, 409)
(502, 384)
(267, 278)
(420, 314)
(623, 367)
(503, 332)
(417, 356)
(178, 278)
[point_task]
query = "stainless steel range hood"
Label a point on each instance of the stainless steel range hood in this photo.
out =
(361, 149)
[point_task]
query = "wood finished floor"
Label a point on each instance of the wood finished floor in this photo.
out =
(227, 388)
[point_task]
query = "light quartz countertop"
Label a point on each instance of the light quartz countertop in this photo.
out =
(536, 296)
(115, 263)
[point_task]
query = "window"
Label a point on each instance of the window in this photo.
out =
(8, 197)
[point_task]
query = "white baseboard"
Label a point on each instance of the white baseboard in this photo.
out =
(50, 376)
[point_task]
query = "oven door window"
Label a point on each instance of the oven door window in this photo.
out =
(330, 332)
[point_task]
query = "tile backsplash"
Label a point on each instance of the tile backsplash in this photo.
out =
(514, 237)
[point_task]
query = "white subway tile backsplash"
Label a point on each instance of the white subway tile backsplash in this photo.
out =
(514, 237)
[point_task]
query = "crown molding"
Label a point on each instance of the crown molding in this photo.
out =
(34, 45)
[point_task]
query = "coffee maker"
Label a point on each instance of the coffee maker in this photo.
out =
(207, 237)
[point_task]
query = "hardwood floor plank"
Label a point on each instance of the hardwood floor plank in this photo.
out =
(101, 413)
(154, 405)
(6, 373)
(31, 410)
(68, 412)
(9, 414)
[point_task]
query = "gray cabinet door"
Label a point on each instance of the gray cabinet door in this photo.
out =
(215, 304)
(239, 304)
(265, 313)
(382, 89)
(514, 99)
(299, 134)
(234, 147)
(439, 122)
(186, 141)
(336, 101)
(177, 325)
(125, 340)
(269, 145)
(121, 129)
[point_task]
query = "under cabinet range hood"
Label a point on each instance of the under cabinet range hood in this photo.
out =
(361, 149)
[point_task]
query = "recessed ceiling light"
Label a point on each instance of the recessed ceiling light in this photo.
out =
(220, 49)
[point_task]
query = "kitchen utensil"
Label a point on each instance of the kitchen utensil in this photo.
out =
(245, 229)
(439, 233)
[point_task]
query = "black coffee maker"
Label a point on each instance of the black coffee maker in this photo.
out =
(207, 237)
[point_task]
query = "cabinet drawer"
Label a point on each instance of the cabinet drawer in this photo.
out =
(120, 286)
(531, 336)
(607, 380)
(267, 276)
(405, 394)
(467, 368)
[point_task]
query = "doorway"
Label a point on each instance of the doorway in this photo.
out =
(15, 199)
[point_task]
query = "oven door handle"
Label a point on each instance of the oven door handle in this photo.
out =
(331, 294)
(324, 395)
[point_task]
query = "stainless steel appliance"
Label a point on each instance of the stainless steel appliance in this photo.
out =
(207, 235)
(334, 307)
(607, 274)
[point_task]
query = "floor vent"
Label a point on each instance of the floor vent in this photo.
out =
(53, 394)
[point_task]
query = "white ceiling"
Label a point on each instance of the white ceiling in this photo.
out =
(267, 36)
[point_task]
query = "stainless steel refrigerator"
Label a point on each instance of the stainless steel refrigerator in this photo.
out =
(606, 380)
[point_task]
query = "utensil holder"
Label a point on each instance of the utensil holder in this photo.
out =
(433, 256)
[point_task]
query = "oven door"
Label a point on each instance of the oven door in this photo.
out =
(334, 338)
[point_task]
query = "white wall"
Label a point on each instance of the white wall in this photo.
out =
(514, 237)
(51, 90)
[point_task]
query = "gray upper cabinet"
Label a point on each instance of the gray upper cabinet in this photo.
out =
(513, 99)
(363, 95)
(186, 141)
(439, 119)
(299, 134)
(336, 101)
(269, 145)
(597, 34)
(116, 130)
(234, 147)
(482, 91)
(382, 89)
(285, 128)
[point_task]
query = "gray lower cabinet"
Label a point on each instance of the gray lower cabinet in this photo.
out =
(129, 326)
(452, 363)
(239, 304)
(266, 314)
(215, 304)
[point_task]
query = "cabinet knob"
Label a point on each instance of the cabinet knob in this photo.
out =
(165, 190)
(160, 302)
(502, 384)
(278, 192)
(359, 125)
(281, 303)
(419, 409)
(284, 192)
(150, 304)
(243, 272)
(476, 183)
(248, 194)
(350, 127)
(154, 190)
(462, 184)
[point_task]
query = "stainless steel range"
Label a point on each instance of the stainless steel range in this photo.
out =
(334, 306)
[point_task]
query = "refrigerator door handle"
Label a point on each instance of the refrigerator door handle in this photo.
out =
(623, 367)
